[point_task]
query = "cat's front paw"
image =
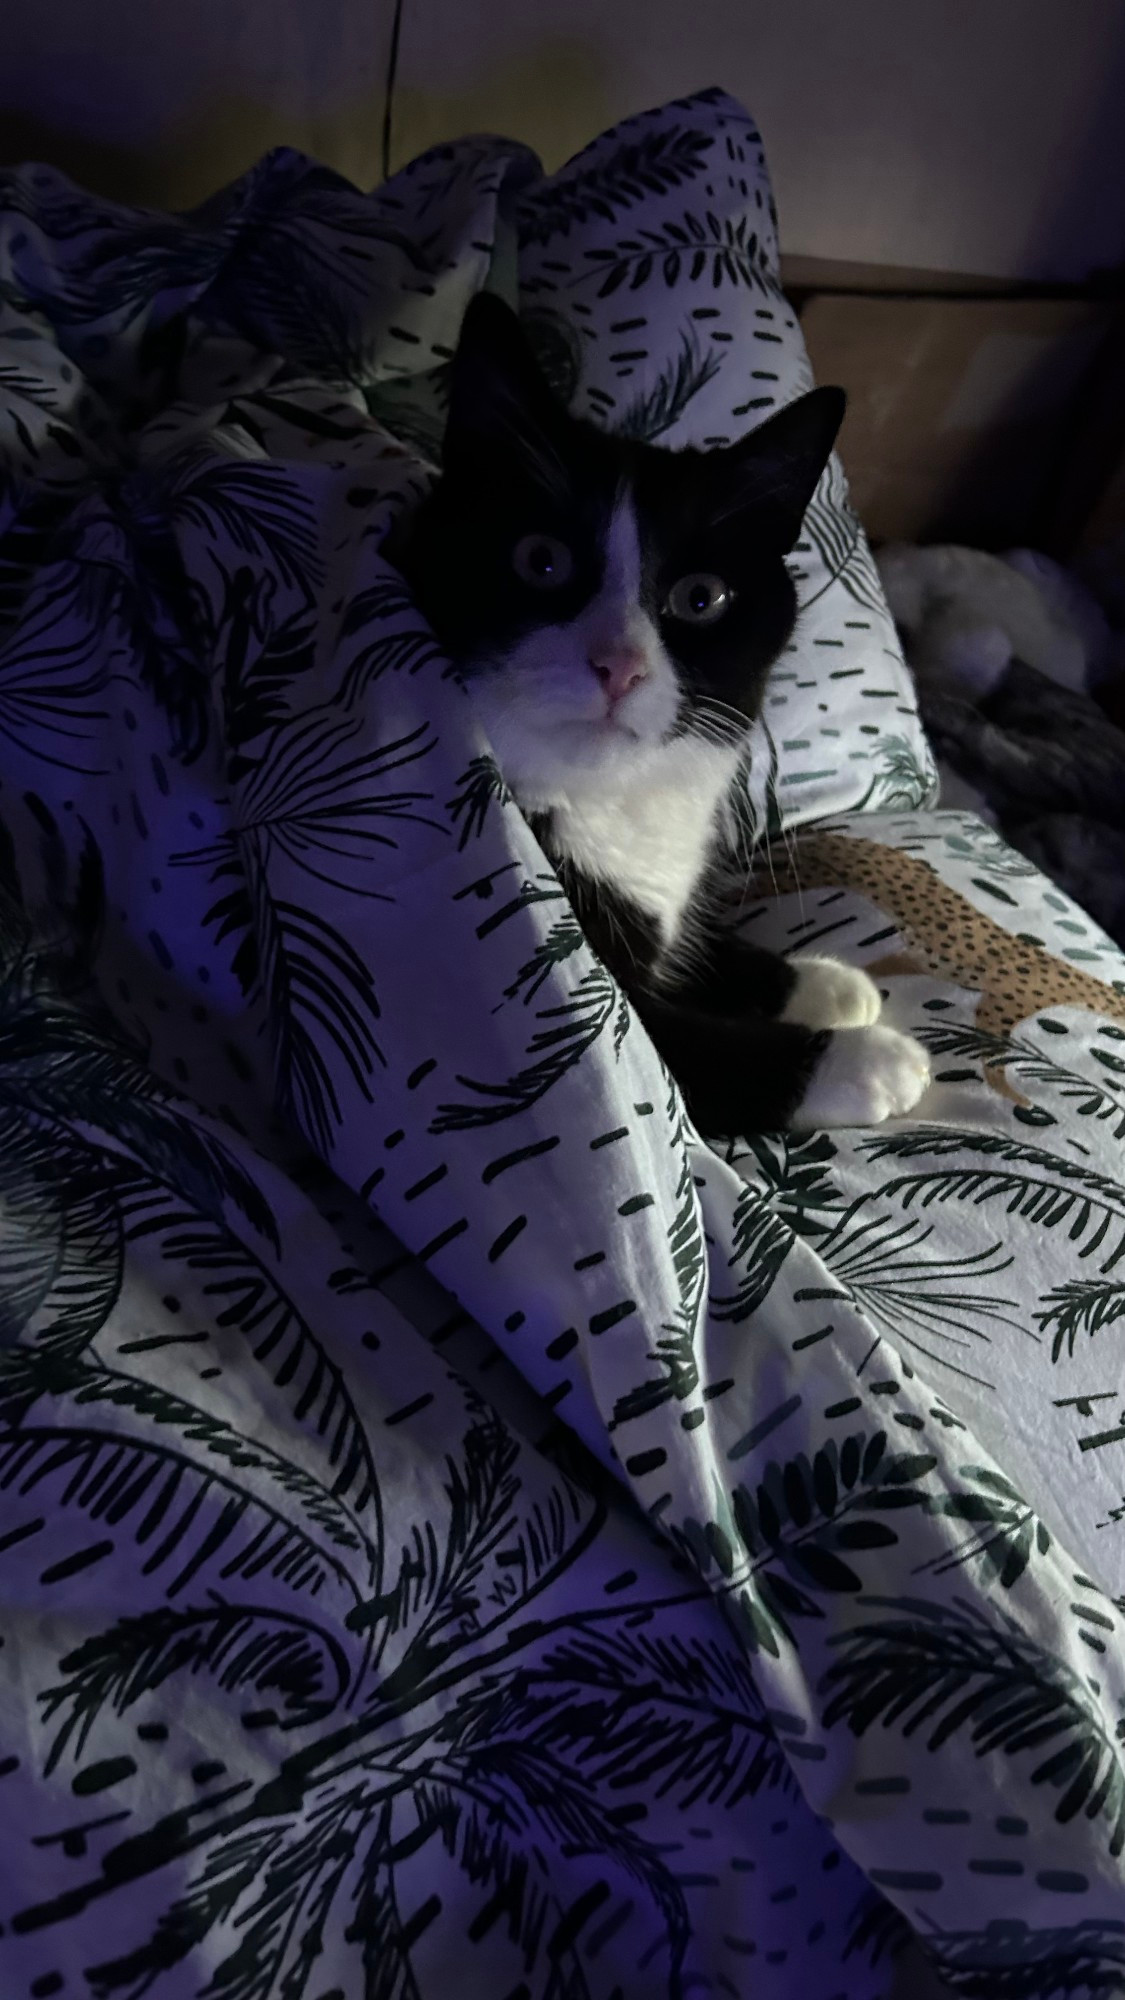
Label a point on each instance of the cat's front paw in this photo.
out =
(864, 1076)
(829, 994)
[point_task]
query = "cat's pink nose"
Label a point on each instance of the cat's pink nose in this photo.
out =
(620, 669)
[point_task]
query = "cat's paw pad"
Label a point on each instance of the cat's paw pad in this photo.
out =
(829, 994)
(864, 1076)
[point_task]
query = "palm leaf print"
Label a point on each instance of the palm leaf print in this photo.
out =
(655, 412)
(1042, 1187)
(901, 781)
(948, 1668)
(727, 251)
(674, 1351)
(596, 1005)
(53, 676)
(279, 1654)
(1091, 1097)
(259, 510)
(656, 163)
(792, 1541)
(64, 1061)
(308, 805)
(834, 529)
(479, 787)
(792, 1195)
(1004, 1530)
(393, 638)
(886, 1269)
(54, 1469)
(1079, 1306)
(760, 1243)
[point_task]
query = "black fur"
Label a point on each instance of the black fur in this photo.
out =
(515, 462)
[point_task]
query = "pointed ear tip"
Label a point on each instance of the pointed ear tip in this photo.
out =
(487, 309)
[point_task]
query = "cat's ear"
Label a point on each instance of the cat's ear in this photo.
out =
(502, 415)
(773, 471)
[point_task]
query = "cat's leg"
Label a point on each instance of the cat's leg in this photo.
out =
(729, 975)
(765, 1075)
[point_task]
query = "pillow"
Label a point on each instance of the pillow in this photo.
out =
(649, 279)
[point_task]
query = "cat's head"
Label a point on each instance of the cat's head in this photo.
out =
(604, 595)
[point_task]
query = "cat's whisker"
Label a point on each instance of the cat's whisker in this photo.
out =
(792, 845)
(724, 723)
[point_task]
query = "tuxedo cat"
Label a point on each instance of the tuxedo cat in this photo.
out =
(615, 609)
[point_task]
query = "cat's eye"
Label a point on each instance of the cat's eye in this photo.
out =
(543, 561)
(700, 599)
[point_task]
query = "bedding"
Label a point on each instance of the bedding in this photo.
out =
(1048, 767)
(454, 1523)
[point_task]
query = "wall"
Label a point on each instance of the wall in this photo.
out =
(970, 135)
(161, 101)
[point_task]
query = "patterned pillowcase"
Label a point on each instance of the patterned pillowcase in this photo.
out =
(648, 272)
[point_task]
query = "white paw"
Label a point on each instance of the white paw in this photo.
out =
(864, 1076)
(831, 995)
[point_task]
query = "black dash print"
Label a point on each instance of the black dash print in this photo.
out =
(608, 1138)
(587, 1263)
(752, 1438)
(423, 1070)
(562, 1344)
(507, 1237)
(409, 1410)
(408, 1933)
(810, 1339)
(635, 1203)
(646, 1461)
(427, 1181)
(447, 1236)
(612, 1316)
(621, 1582)
(99, 1777)
(506, 1160)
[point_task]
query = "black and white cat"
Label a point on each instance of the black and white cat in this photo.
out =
(615, 609)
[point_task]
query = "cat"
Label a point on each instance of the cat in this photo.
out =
(614, 609)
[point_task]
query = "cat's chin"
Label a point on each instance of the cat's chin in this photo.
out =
(573, 757)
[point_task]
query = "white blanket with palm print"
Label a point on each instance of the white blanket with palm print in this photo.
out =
(454, 1524)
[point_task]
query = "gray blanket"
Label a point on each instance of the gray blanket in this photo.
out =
(1051, 767)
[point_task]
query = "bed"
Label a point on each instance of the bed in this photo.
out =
(454, 1523)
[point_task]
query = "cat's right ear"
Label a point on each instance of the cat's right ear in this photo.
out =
(502, 415)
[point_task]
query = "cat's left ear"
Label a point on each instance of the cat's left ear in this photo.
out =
(501, 411)
(773, 471)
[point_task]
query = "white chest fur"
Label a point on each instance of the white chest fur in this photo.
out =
(650, 835)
